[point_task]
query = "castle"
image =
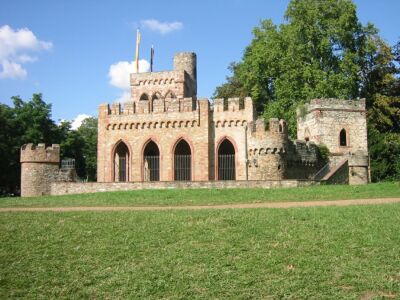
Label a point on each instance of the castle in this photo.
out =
(166, 134)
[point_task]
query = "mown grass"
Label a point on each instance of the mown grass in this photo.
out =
(211, 196)
(304, 253)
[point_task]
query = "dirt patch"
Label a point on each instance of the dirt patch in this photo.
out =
(202, 207)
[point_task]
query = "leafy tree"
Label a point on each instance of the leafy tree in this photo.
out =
(381, 89)
(322, 50)
(318, 52)
(88, 132)
(26, 122)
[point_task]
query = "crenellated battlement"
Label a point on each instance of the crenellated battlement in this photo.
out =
(40, 153)
(145, 107)
(277, 129)
(221, 105)
(329, 104)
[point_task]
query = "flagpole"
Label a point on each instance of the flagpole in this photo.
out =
(137, 50)
(151, 58)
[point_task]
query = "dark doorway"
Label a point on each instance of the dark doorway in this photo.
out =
(182, 162)
(226, 161)
(121, 163)
(151, 162)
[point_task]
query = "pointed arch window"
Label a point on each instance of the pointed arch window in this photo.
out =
(182, 161)
(151, 162)
(226, 161)
(170, 95)
(121, 163)
(343, 138)
(144, 96)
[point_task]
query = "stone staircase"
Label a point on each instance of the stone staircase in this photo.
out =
(334, 172)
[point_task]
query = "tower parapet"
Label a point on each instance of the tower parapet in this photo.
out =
(39, 168)
(267, 148)
(181, 82)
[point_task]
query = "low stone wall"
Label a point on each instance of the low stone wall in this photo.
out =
(63, 188)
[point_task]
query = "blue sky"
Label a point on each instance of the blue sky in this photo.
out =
(67, 47)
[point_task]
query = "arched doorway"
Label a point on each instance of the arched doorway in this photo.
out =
(121, 162)
(226, 161)
(182, 161)
(151, 162)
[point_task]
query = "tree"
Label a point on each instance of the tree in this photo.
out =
(318, 52)
(381, 89)
(88, 132)
(323, 51)
(26, 122)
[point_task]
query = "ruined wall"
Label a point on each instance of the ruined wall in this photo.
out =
(323, 120)
(302, 160)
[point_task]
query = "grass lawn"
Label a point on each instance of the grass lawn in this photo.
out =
(318, 253)
(211, 196)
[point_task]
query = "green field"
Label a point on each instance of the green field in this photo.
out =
(211, 196)
(319, 253)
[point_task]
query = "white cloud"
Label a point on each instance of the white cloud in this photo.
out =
(12, 70)
(14, 45)
(125, 97)
(161, 27)
(77, 122)
(119, 76)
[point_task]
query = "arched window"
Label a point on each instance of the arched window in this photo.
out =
(144, 96)
(307, 135)
(183, 161)
(226, 161)
(170, 95)
(151, 162)
(121, 163)
(343, 138)
(156, 96)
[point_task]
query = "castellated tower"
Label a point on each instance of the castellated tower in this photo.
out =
(187, 61)
(181, 82)
(39, 167)
(266, 150)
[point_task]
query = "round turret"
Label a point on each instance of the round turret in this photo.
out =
(39, 167)
(187, 61)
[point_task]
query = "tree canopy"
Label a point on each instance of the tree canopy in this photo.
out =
(31, 122)
(321, 51)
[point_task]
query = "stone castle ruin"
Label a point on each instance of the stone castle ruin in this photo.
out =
(166, 136)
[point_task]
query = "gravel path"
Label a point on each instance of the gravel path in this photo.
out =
(201, 207)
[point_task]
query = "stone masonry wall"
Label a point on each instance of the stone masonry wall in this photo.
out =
(322, 120)
(63, 188)
(165, 128)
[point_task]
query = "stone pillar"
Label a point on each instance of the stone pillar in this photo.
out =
(358, 168)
